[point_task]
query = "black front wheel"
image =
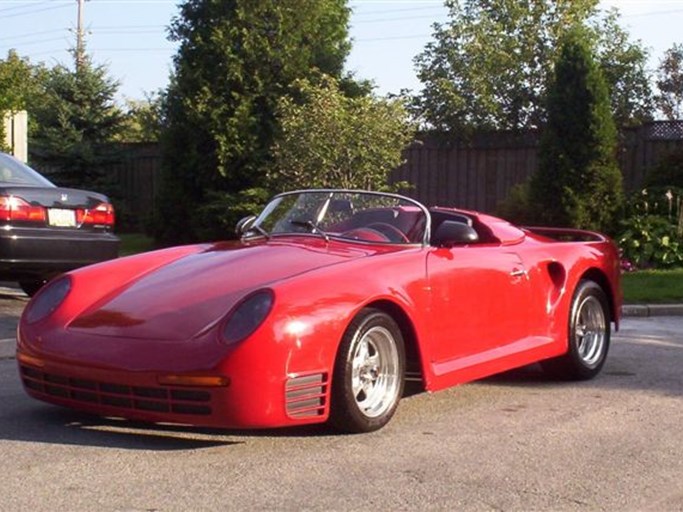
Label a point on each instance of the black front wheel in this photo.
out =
(589, 335)
(368, 374)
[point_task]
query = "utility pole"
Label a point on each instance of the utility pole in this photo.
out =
(80, 37)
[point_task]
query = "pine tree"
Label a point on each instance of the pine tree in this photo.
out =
(75, 119)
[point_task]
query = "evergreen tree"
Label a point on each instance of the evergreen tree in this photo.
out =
(578, 183)
(75, 119)
(236, 59)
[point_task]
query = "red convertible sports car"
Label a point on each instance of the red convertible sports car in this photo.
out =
(331, 300)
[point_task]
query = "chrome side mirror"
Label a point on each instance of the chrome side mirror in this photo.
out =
(244, 224)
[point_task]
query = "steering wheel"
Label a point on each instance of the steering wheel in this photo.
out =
(391, 232)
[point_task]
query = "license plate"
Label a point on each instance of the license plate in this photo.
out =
(61, 218)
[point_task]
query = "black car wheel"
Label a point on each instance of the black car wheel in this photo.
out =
(368, 373)
(589, 335)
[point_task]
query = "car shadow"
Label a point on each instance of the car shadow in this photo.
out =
(44, 423)
(25, 419)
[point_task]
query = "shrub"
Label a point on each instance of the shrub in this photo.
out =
(652, 233)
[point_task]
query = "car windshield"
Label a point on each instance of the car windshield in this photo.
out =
(365, 216)
(13, 172)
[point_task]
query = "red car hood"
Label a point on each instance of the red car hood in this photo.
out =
(185, 298)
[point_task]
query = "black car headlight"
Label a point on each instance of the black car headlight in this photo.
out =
(48, 299)
(247, 316)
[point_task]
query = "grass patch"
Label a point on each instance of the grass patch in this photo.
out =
(133, 243)
(653, 287)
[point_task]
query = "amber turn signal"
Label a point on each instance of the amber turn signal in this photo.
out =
(204, 381)
(30, 360)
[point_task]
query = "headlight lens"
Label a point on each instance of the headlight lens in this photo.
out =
(48, 299)
(245, 318)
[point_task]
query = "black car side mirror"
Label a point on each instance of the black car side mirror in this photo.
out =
(450, 233)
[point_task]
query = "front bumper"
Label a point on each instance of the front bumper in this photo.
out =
(244, 401)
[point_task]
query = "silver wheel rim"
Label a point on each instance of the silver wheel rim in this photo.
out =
(375, 372)
(590, 331)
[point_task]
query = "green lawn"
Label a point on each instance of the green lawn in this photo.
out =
(133, 243)
(653, 287)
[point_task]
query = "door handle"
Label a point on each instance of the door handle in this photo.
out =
(518, 272)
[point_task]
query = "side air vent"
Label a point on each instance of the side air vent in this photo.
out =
(305, 395)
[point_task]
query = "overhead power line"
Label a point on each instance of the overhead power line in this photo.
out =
(33, 43)
(24, 6)
(32, 34)
(435, 6)
(34, 11)
(402, 18)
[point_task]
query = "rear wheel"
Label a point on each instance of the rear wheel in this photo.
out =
(589, 335)
(368, 373)
(30, 288)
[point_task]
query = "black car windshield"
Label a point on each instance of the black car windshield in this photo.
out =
(364, 216)
(13, 172)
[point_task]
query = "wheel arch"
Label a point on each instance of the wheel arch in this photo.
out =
(600, 278)
(414, 367)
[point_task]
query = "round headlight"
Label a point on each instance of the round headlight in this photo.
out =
(48, 299)
(245, 318)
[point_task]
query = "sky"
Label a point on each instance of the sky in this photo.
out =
(130, 36)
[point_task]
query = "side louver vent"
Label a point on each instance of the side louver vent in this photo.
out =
(305, 395)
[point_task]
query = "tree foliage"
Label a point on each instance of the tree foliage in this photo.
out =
(236, 58)
(623, 63)
(18, 85)
(330, 140)
(489, 66)
(75, 117)
(142, 119)
(670, 83)
(578, 183)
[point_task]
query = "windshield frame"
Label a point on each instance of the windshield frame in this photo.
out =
(322, 211)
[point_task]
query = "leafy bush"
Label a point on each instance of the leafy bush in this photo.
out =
(652, 234)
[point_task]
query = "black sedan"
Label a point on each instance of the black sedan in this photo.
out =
(46, 230)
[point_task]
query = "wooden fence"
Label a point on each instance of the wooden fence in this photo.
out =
(478, 174)
(475, 174)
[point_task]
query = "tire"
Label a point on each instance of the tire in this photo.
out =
(589, 335)
(368, 373)
(30, 288)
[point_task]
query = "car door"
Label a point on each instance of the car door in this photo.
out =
(478, 299)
